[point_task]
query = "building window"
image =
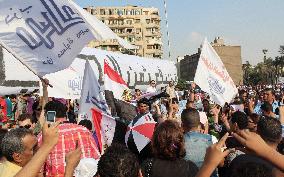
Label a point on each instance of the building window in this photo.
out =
(146, 12)
(149, 47)
(137, 21)
(138, 30)
(129, 22)
(119, 12)
(130, 39)
(129, 30)
(138, 38)
(111, 12)
(147, 21)
(137, 12)
(102, 11)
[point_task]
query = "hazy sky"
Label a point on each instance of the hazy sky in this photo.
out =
(253, 24)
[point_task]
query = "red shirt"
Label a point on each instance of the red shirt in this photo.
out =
(68, 135)
(3, 110)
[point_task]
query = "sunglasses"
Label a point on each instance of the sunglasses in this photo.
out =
(28, 126)
(153, 83)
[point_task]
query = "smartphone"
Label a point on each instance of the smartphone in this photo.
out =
(50, 116)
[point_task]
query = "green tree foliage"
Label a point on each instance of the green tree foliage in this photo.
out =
(266, 72)
(181, 84)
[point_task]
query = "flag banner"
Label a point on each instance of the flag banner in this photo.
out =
(114, 82)
(91, 95)
(107, 129)
(45, 35)
(140, 131)
(212, 77)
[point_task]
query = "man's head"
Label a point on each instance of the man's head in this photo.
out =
(175, 105)
(269, 95)
(118, 161)
(252, 169)
(138, 92)
(25, 121)
(252, 122)
(266, 108)
(86, 123)
(190, 119)
(239, 121)
(153, 83)
(269, 129)
(243, 95)
(18, 146)
(206, 105)
(189, 104)
(142, 106)
(26, 96)
(171, 83)
(2, 134)
(13, 98)
(58, 107)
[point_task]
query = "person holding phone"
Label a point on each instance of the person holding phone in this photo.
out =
(69, 133)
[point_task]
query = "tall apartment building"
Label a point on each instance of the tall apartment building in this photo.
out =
(230, 56)
(140, 26)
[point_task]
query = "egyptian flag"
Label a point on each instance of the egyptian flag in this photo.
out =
(107, 129)
(114, 82)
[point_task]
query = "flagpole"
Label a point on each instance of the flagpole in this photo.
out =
(167, 28)
(14, 55)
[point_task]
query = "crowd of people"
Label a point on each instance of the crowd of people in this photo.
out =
(193, 136)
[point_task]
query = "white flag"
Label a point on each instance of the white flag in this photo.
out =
(91, 95)
(105, 127)
(45, 35)
(212, 77)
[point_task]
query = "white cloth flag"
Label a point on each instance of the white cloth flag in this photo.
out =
(104, 126)
(91, 95)
(212, 77)
(45, 35)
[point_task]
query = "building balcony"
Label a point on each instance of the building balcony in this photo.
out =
(152, 33)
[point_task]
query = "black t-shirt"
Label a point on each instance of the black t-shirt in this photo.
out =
(248, 158)
(167, 168)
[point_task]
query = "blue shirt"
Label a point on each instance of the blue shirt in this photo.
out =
(258, 111)
(9, 107)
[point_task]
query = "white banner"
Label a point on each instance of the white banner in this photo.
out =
(136, 71)
(15, 77)
(212, 77)
(46, 35)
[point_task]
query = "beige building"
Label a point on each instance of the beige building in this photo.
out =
(140, 26)
(230, 56)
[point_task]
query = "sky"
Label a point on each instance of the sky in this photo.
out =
(253, 24)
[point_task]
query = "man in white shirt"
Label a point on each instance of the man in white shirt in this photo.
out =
(152, 87)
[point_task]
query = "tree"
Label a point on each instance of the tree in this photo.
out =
(181, 84)
(281, 49)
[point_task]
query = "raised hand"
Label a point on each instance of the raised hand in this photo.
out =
(50, 134)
